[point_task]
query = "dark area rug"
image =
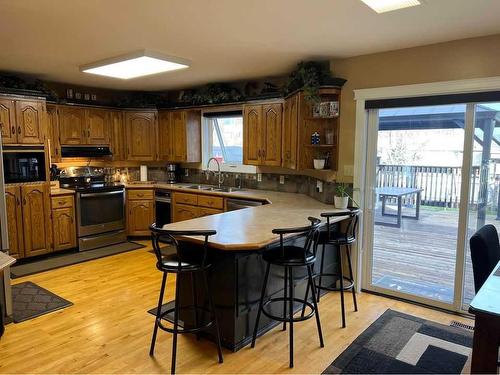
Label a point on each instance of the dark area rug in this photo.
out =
(405, 344)
(61, 260)
(169, 317)
(30, 300)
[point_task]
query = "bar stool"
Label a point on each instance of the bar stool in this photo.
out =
(289, 257)
(182, 262)
(339, 240)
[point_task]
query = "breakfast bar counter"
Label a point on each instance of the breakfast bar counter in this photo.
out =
(238, 270)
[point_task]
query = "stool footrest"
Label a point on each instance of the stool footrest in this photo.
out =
(287, 318)
(349, 286)
(183, 330)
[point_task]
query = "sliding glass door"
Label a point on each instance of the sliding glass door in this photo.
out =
(432, 180)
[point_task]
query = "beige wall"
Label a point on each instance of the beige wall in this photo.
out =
(462, 59)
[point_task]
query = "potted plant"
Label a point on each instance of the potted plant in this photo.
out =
(341, 197)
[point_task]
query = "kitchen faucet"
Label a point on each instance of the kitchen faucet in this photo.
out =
(220, 178)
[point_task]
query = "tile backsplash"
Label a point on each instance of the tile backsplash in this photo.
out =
(269, 181)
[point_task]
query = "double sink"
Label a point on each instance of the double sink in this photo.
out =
(222, 189)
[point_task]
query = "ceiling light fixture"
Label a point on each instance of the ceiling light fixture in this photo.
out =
(136, 64)
(381, 6)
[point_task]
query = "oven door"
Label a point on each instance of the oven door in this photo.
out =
(100, 212)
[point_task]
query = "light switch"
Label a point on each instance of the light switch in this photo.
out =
(282, 180)
(259, 177)
(319, 186)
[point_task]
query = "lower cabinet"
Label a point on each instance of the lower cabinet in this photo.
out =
(184, 212)
(140, 212)
(188, 206)
(28, 219)
(63, 222)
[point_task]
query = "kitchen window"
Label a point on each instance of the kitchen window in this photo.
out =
(223, 140)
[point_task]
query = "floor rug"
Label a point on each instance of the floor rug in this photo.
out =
(404, 344)
(61, 260)
(30, 300)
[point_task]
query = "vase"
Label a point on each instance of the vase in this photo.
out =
(341, 202)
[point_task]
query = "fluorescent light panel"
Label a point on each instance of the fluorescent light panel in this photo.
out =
(135, 65)
(381, 6)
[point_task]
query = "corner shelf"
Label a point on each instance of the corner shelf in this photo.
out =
(320, 146)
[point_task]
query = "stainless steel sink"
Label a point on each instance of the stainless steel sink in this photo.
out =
(223, 189)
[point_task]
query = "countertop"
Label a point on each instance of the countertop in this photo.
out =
(60, 191)
(5, 260)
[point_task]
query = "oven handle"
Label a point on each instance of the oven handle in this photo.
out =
(88, 195)
(163, 200)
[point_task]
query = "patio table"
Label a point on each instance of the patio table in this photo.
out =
(399, 193)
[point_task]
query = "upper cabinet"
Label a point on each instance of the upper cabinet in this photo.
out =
(80, 126)
(290, 132)
(53, 131)
(22, 121)
(179, 136)
(117, 136)
(262, 125)
(141, 135)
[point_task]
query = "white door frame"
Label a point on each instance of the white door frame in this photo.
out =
(363, 145)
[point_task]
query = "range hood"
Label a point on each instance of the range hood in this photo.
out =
(85, 151)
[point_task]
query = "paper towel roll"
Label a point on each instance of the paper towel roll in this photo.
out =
(144, 172)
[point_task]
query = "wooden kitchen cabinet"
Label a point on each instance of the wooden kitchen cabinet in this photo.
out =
(8, 121)
(53, 131)
(36, 219)
(262, 124)
(141, 135)
(204, 211)
(72, 126)
(14, 221)
(179, 136)
(186, 206)
(117, 136)
(97, 126)
(290, 132)
(22, 121)
(183, 212)
(63, 222)
(140, 211)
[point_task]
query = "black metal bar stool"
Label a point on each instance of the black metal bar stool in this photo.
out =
(339, 239)
(183, 262)
(290, 257)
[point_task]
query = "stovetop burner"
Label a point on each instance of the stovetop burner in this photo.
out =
(96, 187)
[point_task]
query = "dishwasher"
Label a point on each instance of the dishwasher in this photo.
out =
(163, 203)
(234, 204)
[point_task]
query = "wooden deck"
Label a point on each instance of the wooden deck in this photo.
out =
(419, 257)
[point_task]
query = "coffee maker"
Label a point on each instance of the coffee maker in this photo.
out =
(171, 173)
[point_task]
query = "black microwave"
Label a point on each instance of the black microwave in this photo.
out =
(24, 165)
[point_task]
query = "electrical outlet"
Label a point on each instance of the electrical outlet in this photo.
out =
(259, 177)
(282, 180)
(319, 186)
(186, 172)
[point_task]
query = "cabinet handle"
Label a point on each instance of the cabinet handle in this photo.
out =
(258, 153)
(24, 201)
(19, 130)
(1, 125)
(61, 202)
(13, 130)
(18, 202)
(140, 195)
(264, 153)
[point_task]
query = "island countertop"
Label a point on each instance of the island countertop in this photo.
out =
(251, 228)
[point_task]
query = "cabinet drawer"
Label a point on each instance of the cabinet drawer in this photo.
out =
(186, 198)
(134, 194)
(204, 211)
(184, 212)
(64, 201)
(210, 201)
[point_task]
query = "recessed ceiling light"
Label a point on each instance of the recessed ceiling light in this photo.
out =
(133, 65)
(381, 6)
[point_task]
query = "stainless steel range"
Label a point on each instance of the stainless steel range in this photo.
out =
(100, 207)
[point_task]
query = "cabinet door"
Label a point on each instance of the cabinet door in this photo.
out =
(35, 202)
(97, 127)
(14, 221)
(290, 131)
(29, 120)
(71, 125)
(118, 136)
(53, 131)
(183, 212)
(271, 134)
(165, 136)
(141, 135)
(178, 125)
(203, 211)
(140, 217)
(63, 220)
(8, 121)
(252, 134)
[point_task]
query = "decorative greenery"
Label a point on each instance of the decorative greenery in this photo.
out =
(13, 82)
(342, 190)
(308, 76)
(215, 93)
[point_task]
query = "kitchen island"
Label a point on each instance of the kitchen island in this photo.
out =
(238, 270)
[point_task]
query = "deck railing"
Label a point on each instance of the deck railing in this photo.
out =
(441, 185)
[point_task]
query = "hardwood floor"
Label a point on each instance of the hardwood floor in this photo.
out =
(108, 329)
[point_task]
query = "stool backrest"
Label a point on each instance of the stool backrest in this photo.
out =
(352, 220)
(311, 233)
(485, 254)
(171, 237)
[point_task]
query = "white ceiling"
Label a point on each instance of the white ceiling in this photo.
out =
(225, 39)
